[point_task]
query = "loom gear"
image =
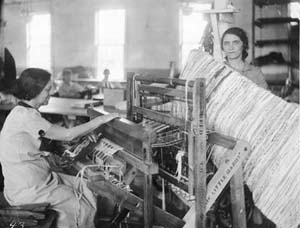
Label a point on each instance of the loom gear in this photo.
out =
(102, 157)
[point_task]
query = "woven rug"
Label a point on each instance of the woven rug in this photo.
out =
(239, 108)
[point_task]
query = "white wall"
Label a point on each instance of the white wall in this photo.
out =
(152, 31)
(15, 30)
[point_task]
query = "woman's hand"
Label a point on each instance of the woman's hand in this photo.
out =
(63, 134)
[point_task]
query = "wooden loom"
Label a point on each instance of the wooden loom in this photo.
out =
(135, 141)
(139, 142)
(139, 107)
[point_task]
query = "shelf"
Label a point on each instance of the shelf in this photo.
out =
(216, 11)
(262, 43)
(274, 20)
(262, 3)
(276, 82)
(273, 62)
(275, 34)
(281, 83)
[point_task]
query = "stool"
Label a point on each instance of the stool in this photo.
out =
(28, 215)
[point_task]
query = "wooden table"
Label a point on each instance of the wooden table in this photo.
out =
(63, 106)
(68, 106)
(100, 84)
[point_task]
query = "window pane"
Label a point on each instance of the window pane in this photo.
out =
(111, 57)
(295, 9)
(193, 26)
(39, 29)
(110, 39)
(39, 57)
(111, 26)
(39, 41)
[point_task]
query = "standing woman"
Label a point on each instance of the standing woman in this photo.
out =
(235, 46)
(27, 174)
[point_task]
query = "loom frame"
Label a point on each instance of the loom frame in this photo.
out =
(196, 140)
(136, 141)
(195, 127)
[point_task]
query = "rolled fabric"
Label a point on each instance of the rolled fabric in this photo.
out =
(239, 108)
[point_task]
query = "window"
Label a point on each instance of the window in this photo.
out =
(110, 41)
(39, 41)
(295, 9)
(192, 27)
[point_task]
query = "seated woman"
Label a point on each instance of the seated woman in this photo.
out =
(69, 89)
(27, 173)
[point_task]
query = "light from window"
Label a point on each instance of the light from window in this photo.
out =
(39, 41)
(295, 9)
(110, 41)
(192, 27)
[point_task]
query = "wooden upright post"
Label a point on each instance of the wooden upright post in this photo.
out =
(148, 185)
(2, 23)
(199, 130)
(238, 200)
(221, 18)
(172, 69)
(129, 95)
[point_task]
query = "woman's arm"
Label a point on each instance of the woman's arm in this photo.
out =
(260, 78)
(64, 134)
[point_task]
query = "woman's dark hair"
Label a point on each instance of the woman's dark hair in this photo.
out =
(31, 83)
(242, 35)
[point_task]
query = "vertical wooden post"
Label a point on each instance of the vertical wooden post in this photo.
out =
(199, 130)
(191, 151)
(191, 162)
(172, 69)
(253, 31)
(220, 22)
(2, 23)
(237, 195)
(137, 101)
(148, 186)
(225, 19)
(217, 40)
(238, 200)
(130, 95)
